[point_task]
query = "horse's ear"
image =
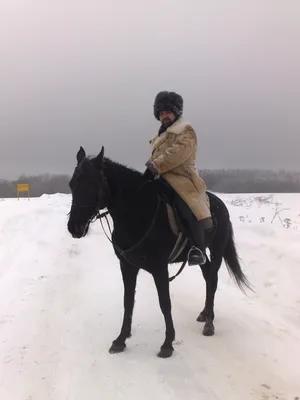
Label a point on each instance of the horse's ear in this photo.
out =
(80, 155)
(99, 158)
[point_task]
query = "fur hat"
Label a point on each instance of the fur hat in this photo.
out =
(168, 101)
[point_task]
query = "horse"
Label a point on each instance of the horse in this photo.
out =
(142, 237)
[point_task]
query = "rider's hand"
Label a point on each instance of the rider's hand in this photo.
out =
(151, 171)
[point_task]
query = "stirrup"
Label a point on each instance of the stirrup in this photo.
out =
(196, 256)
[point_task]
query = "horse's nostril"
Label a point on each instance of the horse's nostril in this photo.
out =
(77, 229)
(74, 229)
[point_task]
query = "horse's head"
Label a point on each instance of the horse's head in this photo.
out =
(89, 192)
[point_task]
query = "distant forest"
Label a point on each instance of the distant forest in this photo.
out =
(223, 181)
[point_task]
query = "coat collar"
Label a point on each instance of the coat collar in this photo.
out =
(178, 126)
(175, 128)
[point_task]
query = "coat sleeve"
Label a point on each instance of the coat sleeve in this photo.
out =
(178, 153)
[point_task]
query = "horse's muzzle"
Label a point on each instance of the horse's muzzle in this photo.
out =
(78, 231)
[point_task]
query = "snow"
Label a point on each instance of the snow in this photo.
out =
(61, 305)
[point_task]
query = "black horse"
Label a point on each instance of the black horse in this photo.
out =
(142, 236)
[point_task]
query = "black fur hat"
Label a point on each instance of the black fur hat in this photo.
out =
(168, 101)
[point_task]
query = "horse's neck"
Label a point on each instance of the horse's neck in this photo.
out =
(121, 181)
(127, 187)
(133, 201)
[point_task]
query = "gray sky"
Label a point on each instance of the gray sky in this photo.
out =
(76, 72)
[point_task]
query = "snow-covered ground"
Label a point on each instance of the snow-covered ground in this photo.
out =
(61, 306)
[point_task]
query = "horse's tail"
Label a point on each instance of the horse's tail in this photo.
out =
(232, 262)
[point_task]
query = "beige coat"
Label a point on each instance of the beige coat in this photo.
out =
(174, 155)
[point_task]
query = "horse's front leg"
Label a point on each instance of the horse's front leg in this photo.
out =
(161, 279)
(129, 274)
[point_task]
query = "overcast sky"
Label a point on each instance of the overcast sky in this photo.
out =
(84, 72)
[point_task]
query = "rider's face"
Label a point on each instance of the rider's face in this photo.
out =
(166, 117)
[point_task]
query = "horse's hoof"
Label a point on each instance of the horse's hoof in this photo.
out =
(165, 352)
(209, 329)
(117, 348)
(201, 317)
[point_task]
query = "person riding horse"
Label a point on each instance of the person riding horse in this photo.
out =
(173, 161)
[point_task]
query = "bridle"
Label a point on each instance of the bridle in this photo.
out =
(99, 216)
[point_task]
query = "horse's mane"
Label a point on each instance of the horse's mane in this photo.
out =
(109, 163)
(119, 174)
(121, 168)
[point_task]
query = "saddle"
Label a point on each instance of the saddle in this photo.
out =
(176, 225)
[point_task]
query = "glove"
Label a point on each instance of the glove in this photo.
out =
(151, 171)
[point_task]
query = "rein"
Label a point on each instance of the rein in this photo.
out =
(123, 252)
(136, 245)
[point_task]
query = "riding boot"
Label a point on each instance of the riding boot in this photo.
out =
(196, 255)
(194, 230)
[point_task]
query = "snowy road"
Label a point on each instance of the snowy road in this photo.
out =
(61, 306)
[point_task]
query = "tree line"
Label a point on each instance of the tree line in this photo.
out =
(217, 180)
(251, 181)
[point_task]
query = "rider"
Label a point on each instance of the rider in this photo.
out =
(173, 159)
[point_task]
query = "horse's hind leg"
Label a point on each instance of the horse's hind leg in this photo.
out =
(129, 274)
(210, 272)
(161, 279)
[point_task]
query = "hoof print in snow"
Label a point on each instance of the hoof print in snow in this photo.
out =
(73, 251)
(7, 318)
(117, 348)
(178, 343)
(7, 359)
(266, 386)
(268, 284)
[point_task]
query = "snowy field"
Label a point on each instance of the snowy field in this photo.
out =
(61, 305)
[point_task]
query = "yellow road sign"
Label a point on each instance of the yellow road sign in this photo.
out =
(22, 187)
